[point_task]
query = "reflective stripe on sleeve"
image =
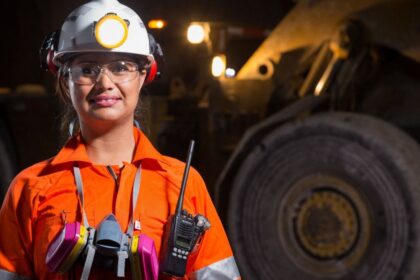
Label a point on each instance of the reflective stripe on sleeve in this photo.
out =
(225, 269)
(7, 275)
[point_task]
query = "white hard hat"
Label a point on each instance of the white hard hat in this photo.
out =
(103, 26)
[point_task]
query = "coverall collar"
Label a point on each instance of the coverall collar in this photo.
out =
(75, 150)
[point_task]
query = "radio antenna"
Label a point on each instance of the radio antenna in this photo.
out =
(184, 178)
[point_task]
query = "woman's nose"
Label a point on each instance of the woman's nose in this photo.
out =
(104, 78)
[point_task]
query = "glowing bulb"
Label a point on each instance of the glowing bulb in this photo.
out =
(196, 33)
(156, 24)
(230, 72)
(218, 65)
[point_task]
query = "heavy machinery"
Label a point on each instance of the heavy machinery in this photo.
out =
(312, 147)
(321, 128)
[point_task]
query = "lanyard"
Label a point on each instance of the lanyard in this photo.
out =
(122, 254)
(135, 192)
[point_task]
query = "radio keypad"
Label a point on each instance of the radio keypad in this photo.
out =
(179, 253)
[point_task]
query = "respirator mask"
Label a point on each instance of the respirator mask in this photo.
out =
(107, 246)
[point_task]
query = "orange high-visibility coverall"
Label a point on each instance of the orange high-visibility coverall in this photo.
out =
(44, 195)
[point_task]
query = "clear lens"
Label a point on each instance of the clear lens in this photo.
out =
(87, 73)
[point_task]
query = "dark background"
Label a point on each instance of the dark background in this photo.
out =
(25, 23)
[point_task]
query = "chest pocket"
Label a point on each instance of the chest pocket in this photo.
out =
(46, 227)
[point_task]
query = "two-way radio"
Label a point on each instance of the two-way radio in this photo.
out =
(182, 232)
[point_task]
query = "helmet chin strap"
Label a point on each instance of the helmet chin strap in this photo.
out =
(137, 124)
(71, 128)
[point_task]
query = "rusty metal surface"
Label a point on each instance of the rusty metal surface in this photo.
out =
(393, 24)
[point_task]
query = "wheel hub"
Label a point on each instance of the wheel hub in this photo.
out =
(326, 224)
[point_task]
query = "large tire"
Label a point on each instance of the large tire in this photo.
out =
(333, 196)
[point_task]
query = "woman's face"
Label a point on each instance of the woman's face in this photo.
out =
(105, 101)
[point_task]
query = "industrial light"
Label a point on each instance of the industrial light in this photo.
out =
(156, 24)
(198, 32)
(230, 72)
(218, 65)
(111, 31)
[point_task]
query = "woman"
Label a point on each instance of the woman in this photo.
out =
(103, 55)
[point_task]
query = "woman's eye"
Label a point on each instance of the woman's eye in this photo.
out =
(119, 67)
(87, 70)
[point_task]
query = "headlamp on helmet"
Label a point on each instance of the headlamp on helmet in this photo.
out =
(102, 26)
(111, 31)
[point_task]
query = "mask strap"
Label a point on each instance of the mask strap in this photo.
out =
(136, 191)
(79, 184)
(91, 250)
(122, 254)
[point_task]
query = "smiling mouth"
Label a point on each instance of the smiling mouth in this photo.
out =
(104, 101)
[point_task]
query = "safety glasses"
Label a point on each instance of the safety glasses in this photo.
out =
(88, 73)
